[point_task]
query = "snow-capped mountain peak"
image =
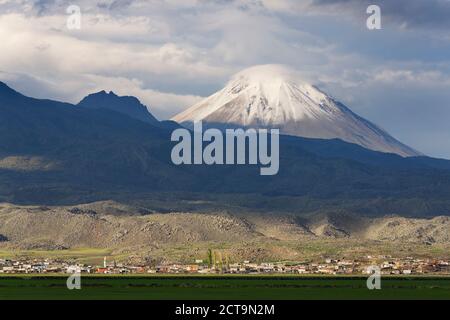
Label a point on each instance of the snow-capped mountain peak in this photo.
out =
(274, 96)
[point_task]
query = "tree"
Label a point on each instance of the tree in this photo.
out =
(210, 258)
(220, 262)
(227, 261)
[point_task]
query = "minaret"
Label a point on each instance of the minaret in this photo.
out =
(104, 262)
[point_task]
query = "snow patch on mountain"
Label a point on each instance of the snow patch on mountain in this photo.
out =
(274, 96)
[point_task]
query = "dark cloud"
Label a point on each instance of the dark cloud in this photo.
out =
(408, 13)
(120, 4)
(42, 6)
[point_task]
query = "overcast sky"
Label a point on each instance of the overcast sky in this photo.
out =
(171, 53)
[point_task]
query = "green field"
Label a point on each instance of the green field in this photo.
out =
(222, 288)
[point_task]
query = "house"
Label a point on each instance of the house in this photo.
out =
(102, 270)
(9, 269)
(302, 270)
(73, 269)
(192, 268)
(407, 271)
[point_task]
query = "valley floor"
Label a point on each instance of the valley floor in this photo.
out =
(223, 288)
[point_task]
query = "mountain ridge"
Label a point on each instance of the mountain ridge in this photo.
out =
(126, 228)
(128, 105)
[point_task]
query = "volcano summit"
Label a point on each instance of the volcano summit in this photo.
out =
(275, 97)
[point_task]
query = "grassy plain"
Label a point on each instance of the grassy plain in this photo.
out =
(221, 288)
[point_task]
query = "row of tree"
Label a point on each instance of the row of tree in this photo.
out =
(218, 261)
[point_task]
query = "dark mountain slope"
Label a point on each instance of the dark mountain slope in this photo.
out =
(129, 106)
(126, 105)
(52, 152)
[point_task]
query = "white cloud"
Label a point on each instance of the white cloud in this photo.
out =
(168, 53)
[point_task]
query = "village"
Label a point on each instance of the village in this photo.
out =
(387, 265)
